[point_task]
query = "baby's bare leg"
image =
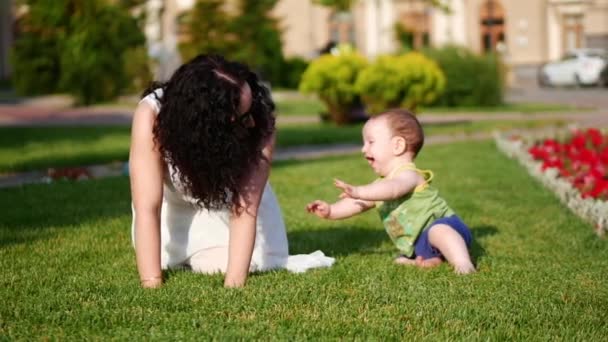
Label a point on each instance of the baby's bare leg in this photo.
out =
(452, 247)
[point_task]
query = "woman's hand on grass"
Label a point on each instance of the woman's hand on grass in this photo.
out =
(152, 282)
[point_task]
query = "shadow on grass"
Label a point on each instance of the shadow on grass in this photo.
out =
(42, 211)
(15, 137)
(65, 146)
(336, 241)
(363, 240)
(479, 233)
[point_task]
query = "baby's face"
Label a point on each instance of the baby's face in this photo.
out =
(377, 145)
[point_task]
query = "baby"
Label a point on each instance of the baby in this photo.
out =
(419, 222)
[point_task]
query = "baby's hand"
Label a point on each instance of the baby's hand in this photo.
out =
(319, 208)
(348, 191)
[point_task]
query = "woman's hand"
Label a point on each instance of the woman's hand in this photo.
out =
(152, 282)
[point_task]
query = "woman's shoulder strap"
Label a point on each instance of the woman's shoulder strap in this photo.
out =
(153, 99)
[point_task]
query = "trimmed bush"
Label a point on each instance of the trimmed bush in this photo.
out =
(292, 70)
(472, 80)
(405, 81)
(332, 78)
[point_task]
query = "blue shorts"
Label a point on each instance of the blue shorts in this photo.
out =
(423, 247)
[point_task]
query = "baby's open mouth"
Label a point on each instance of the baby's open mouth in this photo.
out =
(369, 159)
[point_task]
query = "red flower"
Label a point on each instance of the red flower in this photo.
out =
(583, 161)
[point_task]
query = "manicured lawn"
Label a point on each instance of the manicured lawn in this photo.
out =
(528, 108)
(313, 107)
(31, 148)
(299, 107)
(67, 267)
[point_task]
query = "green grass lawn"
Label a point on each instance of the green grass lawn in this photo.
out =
(67, 269)
(528, 108)
(32, 148)
(313, 107)
(299, 107)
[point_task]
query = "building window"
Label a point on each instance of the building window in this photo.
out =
(573, 31)
(492, 22)
(413, 30)
(342, 28)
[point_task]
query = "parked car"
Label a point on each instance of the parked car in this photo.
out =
(577, 67)
(604, 77)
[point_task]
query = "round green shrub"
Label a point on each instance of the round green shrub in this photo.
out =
(406, 81)
(472, 80)
(332, 78)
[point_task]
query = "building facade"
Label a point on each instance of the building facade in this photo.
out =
(525, 32)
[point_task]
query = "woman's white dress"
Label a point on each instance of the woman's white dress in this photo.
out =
(186, 229)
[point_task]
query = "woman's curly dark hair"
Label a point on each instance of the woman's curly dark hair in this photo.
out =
(197, 134)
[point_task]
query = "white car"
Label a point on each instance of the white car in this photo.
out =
(577, 67)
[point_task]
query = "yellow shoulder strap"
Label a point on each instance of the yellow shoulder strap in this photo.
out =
(407, 166)
(426, 174)
(412, 167)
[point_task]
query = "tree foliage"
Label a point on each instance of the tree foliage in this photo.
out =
(209, 28)
(249, 34)
(345, 5)
(472, 80)
(78, 47)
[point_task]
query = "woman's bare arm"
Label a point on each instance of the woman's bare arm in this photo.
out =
(146, 174)
(243, 223)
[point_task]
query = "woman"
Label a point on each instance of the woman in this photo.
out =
(199, 163)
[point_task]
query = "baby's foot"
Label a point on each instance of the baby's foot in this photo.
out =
(428, 263)
(464, 269)
(403, 260)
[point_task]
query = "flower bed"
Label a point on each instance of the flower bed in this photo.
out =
(574, 165)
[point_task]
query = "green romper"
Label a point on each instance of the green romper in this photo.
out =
(406, 217)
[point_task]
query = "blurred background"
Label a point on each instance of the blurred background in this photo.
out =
(97, 50)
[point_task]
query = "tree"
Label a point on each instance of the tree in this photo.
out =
(260, 39)
(338, 5)
(345, 5)
(74, 46)
(249, 35)
(209, 29)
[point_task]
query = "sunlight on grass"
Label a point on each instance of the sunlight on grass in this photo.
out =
(312, 107)
(32, 148)
(67, 267)
(299, 107)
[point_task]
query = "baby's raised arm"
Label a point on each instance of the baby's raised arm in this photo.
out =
(344, 208)
(381, 190)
